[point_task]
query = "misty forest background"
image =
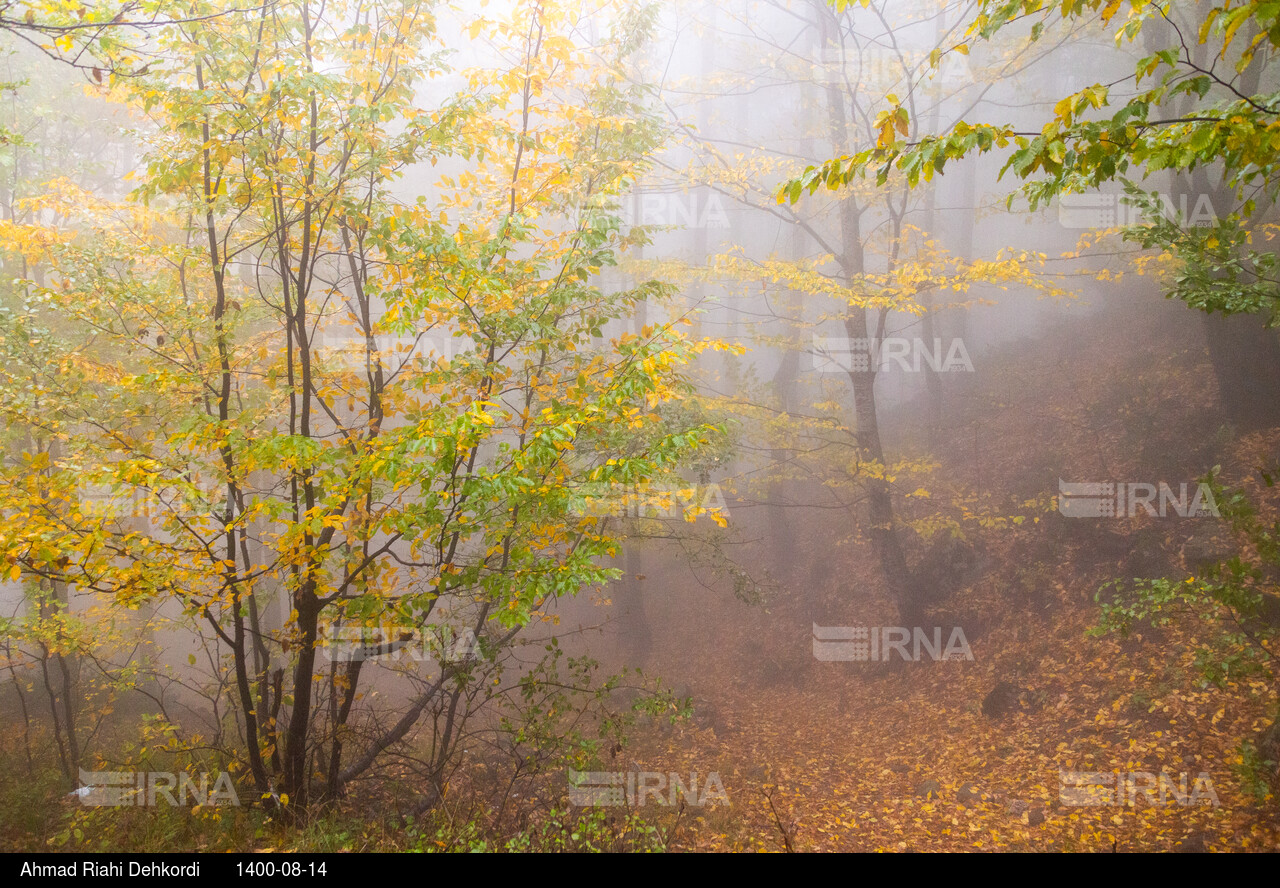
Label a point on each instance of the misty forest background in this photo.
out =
(409, 406)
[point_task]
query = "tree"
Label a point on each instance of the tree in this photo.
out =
(53, 130)
(862, 262)
(1201, 109)
(332, 406)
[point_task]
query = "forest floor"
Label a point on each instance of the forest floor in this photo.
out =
(900, 756)
(855, 760)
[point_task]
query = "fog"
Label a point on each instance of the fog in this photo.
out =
(812, 477)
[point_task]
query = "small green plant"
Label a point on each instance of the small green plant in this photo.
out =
(1232, 599)
(1256, 773)
(562, 830)
(1140, 701)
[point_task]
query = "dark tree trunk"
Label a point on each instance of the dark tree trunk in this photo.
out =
(882, 531)
(1246, 363)
(637, 637)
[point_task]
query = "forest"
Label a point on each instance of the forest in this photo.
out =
(637, 426)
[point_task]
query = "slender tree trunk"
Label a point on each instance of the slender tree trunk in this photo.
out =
(884, 540)
(637, 636)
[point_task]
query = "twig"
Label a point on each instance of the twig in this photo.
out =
(786, 836)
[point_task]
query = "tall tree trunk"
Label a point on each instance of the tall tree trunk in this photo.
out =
(638, 638)
(1245, 355)
(882, 531)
